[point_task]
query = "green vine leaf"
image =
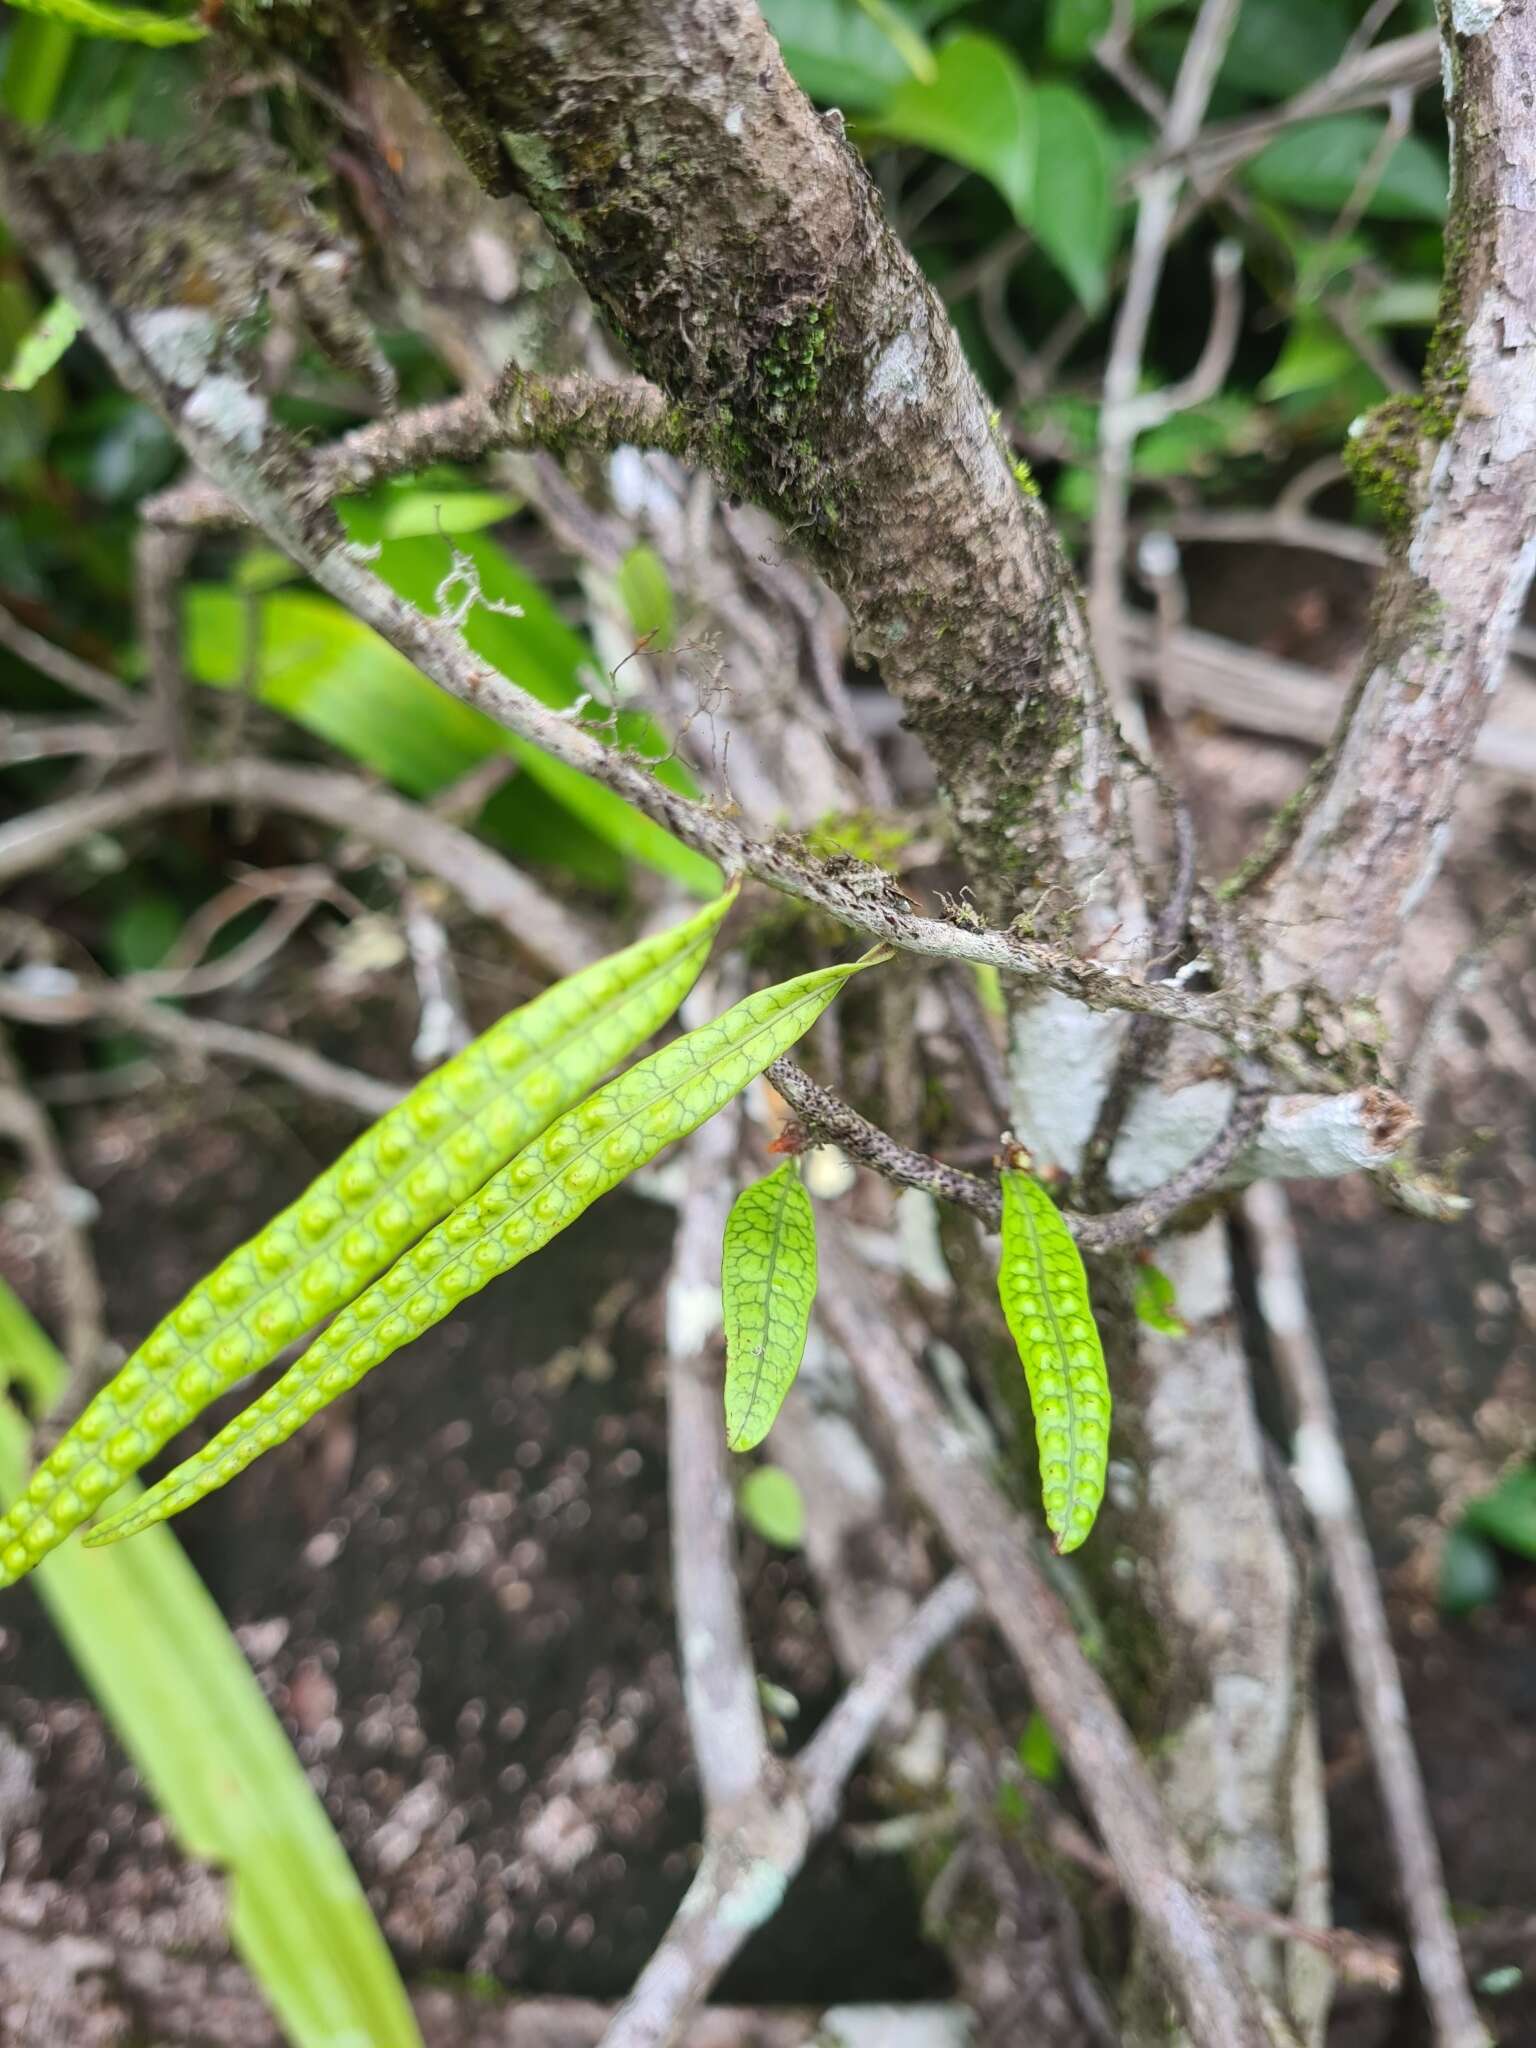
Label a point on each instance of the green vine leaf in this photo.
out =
(767, 1284)
(1044, 1293)
(583, 1154)
(407, 1171)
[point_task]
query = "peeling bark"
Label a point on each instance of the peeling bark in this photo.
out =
(1454, 473)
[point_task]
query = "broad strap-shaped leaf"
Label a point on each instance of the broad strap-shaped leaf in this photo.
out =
(122, 24)
(406, 1172)
(767, 1285)
(179, 1695)
(1044, 1293)
(581, 1156)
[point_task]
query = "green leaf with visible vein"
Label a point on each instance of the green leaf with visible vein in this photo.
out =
(767, 1285)
(160, 1660)
(581, 1156)
(1044, 1293)
(405, 1173)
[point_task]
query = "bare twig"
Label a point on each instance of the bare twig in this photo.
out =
(1121, 413)
(1323, 1477)
(61, 739)
(71, 1270)
(827, 1761)
(1262, 693)
(1363, 80)
(84, 678)
(827, 1120)
(160, 560)
(490, 886)
(200, 1038)
(1467, 972)
(746, 1870)
(516, 412)
(443, 1026)
(867, 901)
(725, 1719)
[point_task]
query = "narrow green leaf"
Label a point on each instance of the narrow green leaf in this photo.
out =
(647, 596)
(41, 346)
(405, 1173)
(547, 1186)
(1507, 1515)
(160, 1660)
(1073, 209)
(123, 24)
(1155, 1303)
(1044, 1293)
(767, 1284)
(770, 1503)
(1469, 1572)
(1317, 163)
(978, 109)
(1038, 1752)
(1315, 355)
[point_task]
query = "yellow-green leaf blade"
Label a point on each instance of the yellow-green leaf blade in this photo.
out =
(767, 1287)
(581, 1156)
(1044, 1293)
(160, 1660)
(405, 1173)
(122, 24)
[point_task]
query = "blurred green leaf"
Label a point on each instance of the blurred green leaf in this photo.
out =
(41, 346)
(316, 663)
(906, 40)
(1507, 1516)
(32, 67)
(1314, 354)
(1156, 1304)
(1193, 441)
(1318, 163)
(143, 931)
(1073, 213)
(1469, 1573)
(160, 1660)
(647, 596)
(836, 52)
(1407, 302)
(1279, 46)
(1075, 26)
(125, 24)
(1038, 1752)
(978, 109)
(770, 1503)
(398, 513)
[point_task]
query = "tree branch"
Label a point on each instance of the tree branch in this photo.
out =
(1195, 1951)
(518, 411)
(490, 886)
(1455, 473)
(1323, 1477)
